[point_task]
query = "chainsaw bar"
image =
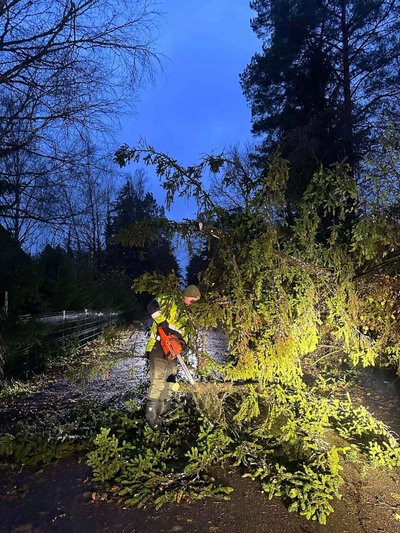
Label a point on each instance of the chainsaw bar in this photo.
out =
(185, 369)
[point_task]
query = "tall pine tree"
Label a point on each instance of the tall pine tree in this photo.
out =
(325, 82)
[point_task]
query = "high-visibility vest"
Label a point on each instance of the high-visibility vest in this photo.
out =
(169, 312)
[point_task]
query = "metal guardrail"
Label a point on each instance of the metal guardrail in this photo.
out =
(78, 327)
(63, 316)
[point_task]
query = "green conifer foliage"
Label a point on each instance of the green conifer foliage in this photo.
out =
(305, 298)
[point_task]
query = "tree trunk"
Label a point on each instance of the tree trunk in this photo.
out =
(347, 103)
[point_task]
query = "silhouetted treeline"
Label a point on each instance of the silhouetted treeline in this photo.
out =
(62, 277)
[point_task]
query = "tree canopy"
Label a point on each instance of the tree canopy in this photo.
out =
(325, 83)
(68, 70)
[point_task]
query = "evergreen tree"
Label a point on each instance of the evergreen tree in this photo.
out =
(134, 205)
(59, 289)
(16, 276)
(324, 82)
(197, 264)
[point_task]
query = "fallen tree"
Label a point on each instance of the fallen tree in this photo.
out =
(310, 298)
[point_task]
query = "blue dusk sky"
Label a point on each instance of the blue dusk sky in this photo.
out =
(195, 105)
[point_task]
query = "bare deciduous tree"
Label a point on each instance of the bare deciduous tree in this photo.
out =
(67, 69)
(65, 61)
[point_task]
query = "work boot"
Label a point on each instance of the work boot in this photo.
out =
(165, 406)
(153, 414)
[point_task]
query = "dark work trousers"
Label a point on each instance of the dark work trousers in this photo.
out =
(160, 370)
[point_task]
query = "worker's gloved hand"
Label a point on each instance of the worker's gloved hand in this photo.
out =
(183, 346)
(169, 331)
(165, 326)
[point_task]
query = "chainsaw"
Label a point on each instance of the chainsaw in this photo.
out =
(172, 349)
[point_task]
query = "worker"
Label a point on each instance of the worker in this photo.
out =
(172, 318)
